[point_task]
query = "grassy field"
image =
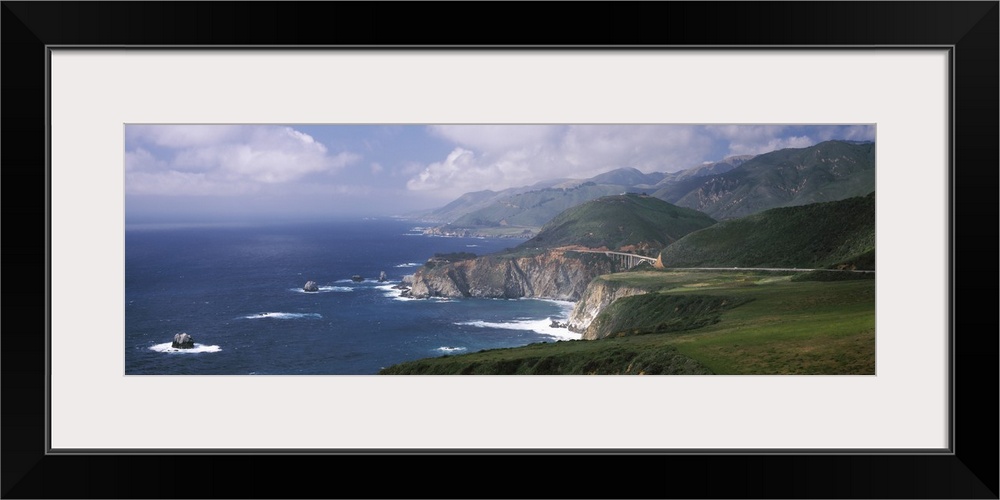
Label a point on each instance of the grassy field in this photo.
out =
(778, 326)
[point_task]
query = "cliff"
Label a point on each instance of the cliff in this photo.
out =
(554, 274)
(599, 294)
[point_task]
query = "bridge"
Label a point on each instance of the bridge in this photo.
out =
(625, 260)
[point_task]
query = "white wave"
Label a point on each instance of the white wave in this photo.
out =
(168, 347)
(362, 282)
(472, 245)
(409, 264)
(324, 289)
(565, 307)
(283, 315)
(449, 349)
(542, 326)
(393, 293)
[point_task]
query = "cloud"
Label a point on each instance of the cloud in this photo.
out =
(454, 172)
(503, 156)
(221, 159)
(757, 139)
(494, 138)
(847, 132)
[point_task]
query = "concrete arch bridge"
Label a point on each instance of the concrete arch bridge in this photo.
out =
(624, 260)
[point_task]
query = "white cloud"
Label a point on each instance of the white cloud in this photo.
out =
(222, 159)
(502, 156)
(494, 138)
(737, 148)
(850, 133)
(142, 160)
(455, 172)
(757, 139)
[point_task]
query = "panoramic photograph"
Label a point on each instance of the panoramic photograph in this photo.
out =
(499, 249)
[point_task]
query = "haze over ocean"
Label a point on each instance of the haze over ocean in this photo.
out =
(237, 289)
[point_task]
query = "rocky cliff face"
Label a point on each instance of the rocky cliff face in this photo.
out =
(553, 275)
(598, 295)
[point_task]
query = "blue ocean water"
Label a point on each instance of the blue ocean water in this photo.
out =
(237, 290)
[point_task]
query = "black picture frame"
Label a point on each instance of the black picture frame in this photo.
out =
(969, 28)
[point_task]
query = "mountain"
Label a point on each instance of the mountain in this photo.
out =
(733, 187)
(522, 211)
(623, 222)
(705, 169)
(819, 235)
(462, 204)
(534, 208)
(627, 177)
(828, 171)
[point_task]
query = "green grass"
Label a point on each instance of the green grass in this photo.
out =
(577, 357)
(792, 327)
(782, 326)
(661, 313)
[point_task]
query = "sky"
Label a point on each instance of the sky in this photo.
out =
(274, 172)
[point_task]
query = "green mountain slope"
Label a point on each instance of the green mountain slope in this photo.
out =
(624, 222)
(828, 171)
(534, 208)
(703, 170)
(628, 177)
(819, 235)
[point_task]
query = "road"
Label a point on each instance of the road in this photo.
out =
(792, 269)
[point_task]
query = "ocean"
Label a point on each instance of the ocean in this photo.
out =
(237, 290)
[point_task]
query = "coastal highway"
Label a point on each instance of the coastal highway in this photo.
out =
(792, 269)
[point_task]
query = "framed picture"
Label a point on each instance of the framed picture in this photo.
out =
(927, 87)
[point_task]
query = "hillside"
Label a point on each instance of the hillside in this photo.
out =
(703, 170)
(703, 322)
(828, 171)
(820, 235)
(628, 177)
(622, 222)
(534, 208)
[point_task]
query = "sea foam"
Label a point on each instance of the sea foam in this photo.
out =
(542, 326)
(325, 289)
(168, 347)
(283, 315)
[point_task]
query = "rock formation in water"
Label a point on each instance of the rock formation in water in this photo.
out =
(357, 278)
(311, 286)
(553, 274)
(182, 341)
(381, 277)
